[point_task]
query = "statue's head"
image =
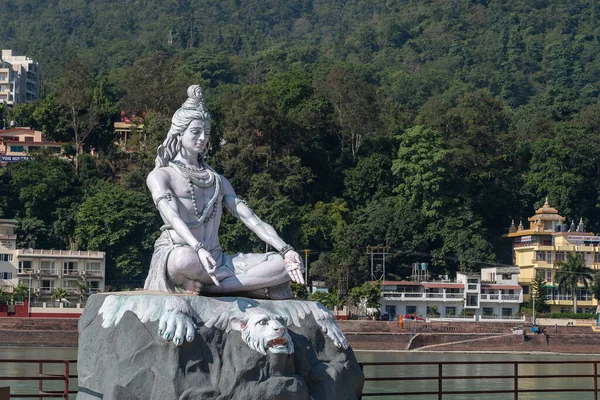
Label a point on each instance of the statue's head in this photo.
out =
(263, 332)
(192, 109)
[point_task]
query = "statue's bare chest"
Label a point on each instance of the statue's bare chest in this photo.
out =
(196, 197)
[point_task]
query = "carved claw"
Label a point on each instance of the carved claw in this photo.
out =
(176, 326)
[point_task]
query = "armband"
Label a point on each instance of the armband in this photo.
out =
(285, 249)
(167, 195)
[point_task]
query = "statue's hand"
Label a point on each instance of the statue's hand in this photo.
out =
(293, 266)
(209, 264)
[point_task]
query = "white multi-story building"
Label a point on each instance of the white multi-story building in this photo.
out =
(19, 79)
(44, 270)
(493, 293)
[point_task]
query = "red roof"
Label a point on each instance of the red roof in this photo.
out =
(2, 132)
(403, 283)
(34, 143)
(443, 285)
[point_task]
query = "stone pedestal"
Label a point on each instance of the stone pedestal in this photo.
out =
(123, 356)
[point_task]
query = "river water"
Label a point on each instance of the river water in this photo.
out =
(370, 356)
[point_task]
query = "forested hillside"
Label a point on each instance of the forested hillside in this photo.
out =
(425, 126)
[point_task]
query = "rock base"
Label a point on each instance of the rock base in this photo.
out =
(130, 360)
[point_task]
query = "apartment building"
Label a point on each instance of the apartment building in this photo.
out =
(44, 270)
(545, 243)
(493, 293)
(17, 144)
(19, 79)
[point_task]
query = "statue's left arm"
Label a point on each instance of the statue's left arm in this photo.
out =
(240, 210)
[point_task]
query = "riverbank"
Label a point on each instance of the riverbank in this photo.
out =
(365, 335)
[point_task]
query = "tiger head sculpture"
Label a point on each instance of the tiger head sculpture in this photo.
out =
(264, 332)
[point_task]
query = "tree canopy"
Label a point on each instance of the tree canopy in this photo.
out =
(421, 126)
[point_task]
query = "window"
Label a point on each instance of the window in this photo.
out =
(92, 267)
(560, 256)
(548, 275)
(389, 310)
(507, 312)
(47, 285)
(597, 257)
(29, 138)
(411, 309)
(549, 257)
(25, 266)
(540, 256)
(472, 300)
(70, 268)
(473, 280)
(17, 149)
(450, 310)
(506, 277)
(5, 257)
(488, 311)
(47, 267)
(5, 275)
(525, 289)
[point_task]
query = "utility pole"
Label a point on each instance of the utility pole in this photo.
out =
(306, 252)
(377, 255)
(339, 286)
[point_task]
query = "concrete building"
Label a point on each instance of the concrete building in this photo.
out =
(44, 270)
(492, 294)
(17, 144)
(19, 79)
(545, 243)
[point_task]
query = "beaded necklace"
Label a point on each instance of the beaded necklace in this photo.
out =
(193, 178)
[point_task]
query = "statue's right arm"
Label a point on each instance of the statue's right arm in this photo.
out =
(165, 200)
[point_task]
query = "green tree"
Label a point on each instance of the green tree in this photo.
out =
(20, 292)
(368, 295)
(356, 108)
(595, 289)
(4, 296)
(47, 191)
(572, 273)
(121, 222)
(59, 293)
(75, 96)
(538, 292)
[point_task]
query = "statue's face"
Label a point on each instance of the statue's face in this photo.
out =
(195, 137)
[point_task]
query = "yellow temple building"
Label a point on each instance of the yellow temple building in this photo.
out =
(547, 242)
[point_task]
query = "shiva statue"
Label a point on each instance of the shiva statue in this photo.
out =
(190, 197)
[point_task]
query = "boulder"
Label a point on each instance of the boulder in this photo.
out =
(122, 355)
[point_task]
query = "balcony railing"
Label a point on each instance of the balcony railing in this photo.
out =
(26, 271)
(501, 297)
(47, 272)
(69, 272)
(69, 253)
(422, 296)
(472, 286)
(93, 273)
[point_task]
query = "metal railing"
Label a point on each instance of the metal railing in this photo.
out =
(41, 377)
(513, 377)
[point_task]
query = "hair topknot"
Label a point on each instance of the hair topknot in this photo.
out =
(195, 101)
